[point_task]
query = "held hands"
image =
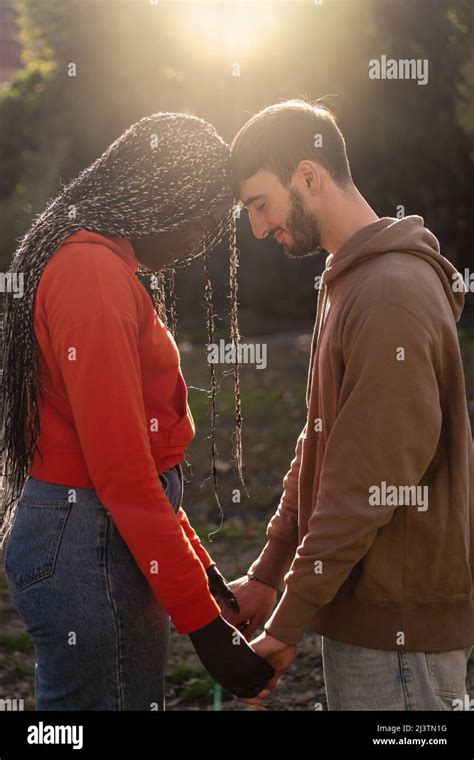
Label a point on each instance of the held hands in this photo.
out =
(278, 654)
(230, 660)
(224, 651)
(256, 601)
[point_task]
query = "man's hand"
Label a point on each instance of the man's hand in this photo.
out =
(278, 654)
(256, 601)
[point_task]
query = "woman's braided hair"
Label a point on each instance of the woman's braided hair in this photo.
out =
(165, 170)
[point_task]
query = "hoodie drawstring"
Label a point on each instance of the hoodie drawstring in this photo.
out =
(320, 312)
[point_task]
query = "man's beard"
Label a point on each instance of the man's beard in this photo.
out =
(303, 226)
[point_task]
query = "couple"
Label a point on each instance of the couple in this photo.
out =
(99, 552)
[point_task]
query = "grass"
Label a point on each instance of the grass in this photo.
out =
(16, 643)
(22, 671)
(194, 682)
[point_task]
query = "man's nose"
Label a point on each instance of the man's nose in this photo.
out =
(259, 227)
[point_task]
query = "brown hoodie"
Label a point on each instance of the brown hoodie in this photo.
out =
(377, 514)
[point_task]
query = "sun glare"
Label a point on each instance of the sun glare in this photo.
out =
(230, 28)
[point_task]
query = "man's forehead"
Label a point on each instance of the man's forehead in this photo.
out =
(255, 187)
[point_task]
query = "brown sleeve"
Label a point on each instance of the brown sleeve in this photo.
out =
(282, 530)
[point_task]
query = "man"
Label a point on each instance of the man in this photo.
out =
(372, 542)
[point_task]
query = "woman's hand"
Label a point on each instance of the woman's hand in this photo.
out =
(220, 589)
(230, 660)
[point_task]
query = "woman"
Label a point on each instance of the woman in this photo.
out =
(99, 551)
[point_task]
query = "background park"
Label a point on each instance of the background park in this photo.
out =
(411, 148)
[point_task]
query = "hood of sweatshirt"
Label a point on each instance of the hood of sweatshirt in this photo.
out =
(408, 236)
(387, 235)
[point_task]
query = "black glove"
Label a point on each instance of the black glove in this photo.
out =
(230, 660)
(219, 586)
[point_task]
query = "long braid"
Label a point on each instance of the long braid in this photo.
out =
(173, 309)
(235, 337)
(210, 338)
(159, 297)
(164, 171)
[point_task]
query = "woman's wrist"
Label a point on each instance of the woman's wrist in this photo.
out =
(209, 629)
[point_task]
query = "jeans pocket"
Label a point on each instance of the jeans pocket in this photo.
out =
(448, 673)
(33, 544)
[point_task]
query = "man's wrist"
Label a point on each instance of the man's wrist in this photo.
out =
(253, 577)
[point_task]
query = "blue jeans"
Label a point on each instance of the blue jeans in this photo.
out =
(358, 678)
(100, 636)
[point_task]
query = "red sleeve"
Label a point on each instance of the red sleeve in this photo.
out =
(206, 559)
(99, 359)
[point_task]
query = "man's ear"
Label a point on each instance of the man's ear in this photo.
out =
(310, 175)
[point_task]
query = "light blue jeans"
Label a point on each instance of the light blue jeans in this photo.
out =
(358, 678)
(100, 637)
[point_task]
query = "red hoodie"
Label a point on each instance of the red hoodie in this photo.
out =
(115, 412)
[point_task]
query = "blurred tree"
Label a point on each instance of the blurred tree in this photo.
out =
(93, 68)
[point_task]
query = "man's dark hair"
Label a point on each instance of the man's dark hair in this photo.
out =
(280, 136)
